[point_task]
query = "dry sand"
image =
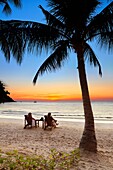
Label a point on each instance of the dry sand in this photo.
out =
(65, 137)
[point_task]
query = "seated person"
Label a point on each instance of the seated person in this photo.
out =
(50, 121)
(31, 119)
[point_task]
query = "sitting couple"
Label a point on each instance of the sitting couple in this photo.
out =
(50, 121)
(30, 121)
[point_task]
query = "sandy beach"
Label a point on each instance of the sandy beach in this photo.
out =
(65, 137)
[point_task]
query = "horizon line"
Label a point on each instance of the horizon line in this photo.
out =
(61, 100)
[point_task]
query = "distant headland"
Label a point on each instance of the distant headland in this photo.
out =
(7, 99)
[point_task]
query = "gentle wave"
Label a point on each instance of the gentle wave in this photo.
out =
(60, 110)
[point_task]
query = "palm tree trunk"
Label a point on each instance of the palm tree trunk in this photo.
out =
(88, 140)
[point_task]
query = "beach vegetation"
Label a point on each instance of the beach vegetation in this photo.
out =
(71, 26)
(13, 160)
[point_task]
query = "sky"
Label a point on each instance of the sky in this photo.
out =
(60, 85)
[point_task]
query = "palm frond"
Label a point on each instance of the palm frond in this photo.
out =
(7, 9)
(106, 40)
(5, 48)
(12, 41)
(101, 23)
(51, 20)
(41, 36)
(37, 35)
(17, 3)
(68, 13)
(54, 61)
(90, 55)
(32, 35)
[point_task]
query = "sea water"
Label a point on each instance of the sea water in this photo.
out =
(68, 111)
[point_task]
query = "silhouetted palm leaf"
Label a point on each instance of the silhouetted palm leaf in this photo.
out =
(55, 60)
(6, 3)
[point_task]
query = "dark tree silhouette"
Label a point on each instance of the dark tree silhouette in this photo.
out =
(70, 27)
(4, 94)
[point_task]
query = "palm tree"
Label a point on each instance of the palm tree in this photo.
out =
(7, 8)
(70, 27)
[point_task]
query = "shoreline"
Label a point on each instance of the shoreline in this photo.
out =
(80, 120)
(65, 137)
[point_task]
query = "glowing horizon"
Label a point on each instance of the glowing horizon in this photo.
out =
(57, 97)
(59, 91)
(61, 100)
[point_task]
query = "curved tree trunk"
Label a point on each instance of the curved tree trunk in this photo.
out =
(88, 140)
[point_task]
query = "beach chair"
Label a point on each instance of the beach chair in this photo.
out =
(49, 123)
(28, 122)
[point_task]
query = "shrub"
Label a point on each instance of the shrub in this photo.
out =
(55, 161)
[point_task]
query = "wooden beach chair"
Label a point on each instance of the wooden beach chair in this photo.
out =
(28, 122)
(48, 123)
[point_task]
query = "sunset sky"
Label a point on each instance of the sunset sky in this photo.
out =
(60, 85)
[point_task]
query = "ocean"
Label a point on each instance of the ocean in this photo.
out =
(67, 111)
